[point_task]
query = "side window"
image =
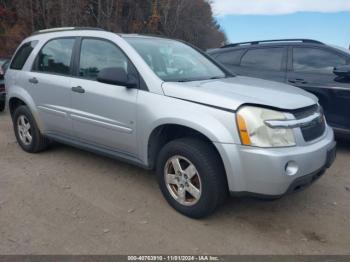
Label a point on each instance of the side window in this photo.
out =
(97, 54)
(313, 60)
(230, 58)
(264, 58)
(55, 56)
(22, 55)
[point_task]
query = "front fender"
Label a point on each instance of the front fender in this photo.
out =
(219, 126)
(210, 128)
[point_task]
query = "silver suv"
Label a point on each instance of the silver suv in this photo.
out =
(162, 104)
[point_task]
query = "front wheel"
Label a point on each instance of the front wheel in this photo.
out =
(191, 177)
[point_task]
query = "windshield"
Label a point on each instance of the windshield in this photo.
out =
(174, 61)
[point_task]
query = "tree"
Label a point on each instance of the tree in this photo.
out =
(189, 20)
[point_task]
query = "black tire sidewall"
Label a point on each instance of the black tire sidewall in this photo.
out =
(210, 198)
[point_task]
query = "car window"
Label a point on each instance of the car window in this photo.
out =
(174, 61)
(264, 58)
(314, 60)
(22, 55)
(231, 57)
(97, 54)
(55, 56)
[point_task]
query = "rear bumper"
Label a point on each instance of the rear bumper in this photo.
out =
(261, 171)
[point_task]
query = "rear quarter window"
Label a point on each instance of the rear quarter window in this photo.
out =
(230, 57)
(22, 55)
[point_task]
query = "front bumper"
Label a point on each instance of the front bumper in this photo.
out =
(262, 171)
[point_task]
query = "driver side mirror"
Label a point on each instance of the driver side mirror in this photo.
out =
(116, 76)
(343, 71)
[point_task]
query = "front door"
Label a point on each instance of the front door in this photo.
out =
(103, 115)
(311, 69)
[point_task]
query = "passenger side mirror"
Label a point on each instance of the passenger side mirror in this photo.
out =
(343, 71)
(116, 76)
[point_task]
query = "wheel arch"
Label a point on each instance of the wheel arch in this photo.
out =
(14, 103)
(19, 97)
(166, 132)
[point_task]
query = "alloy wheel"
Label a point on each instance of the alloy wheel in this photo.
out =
(24, 130)
(183, 180)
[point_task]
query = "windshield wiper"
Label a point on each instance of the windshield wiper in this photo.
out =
(217, 77)
(188, 80)
(200, 79)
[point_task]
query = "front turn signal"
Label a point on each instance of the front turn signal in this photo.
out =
(243, 131)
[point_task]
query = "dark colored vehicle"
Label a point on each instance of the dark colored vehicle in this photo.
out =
(311, 65)
(4, 63)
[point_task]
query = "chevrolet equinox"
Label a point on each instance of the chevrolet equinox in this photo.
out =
(165, 105)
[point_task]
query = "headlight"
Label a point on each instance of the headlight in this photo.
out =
(254, 132)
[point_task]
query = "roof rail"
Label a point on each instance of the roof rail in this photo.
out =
(310, 41)
(61, 29)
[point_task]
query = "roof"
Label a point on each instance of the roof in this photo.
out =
(63, 29)
(145, 36)
(297, 40)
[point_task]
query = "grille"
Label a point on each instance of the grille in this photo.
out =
(314, 129)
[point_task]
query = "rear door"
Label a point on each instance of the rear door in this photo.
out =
(311, 68)
(18, 62)
(266, 62)
(49, 85)
(103, 114)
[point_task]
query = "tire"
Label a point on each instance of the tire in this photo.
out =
(210, 178)
(38, 142)
(2, 106)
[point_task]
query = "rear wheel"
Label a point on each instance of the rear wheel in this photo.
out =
(27, 132)
(191, 177)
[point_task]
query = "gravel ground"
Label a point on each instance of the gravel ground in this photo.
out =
(66, 201)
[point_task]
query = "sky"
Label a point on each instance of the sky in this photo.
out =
(246, 20)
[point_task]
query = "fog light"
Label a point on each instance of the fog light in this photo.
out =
(291, 168)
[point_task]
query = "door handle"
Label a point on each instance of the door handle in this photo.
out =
(297, 81)
(78, 89)
(33, 80)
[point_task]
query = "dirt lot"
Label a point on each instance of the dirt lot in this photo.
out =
(66, 201)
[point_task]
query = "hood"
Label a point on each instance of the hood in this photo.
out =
(231, 93)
